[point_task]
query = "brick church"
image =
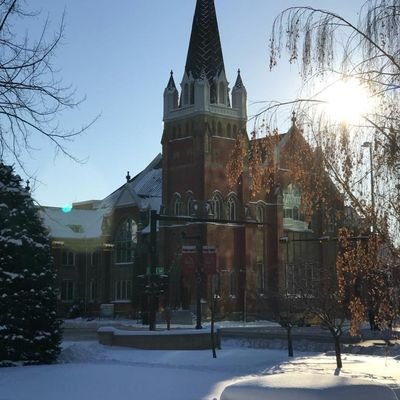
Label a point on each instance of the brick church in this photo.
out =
(243, 248)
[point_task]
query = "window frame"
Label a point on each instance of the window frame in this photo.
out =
(125, 241)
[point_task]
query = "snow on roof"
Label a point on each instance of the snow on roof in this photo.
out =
(76, 224)
(144, 189)
(85, 221)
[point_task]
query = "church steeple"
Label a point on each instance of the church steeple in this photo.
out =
(204, 85)
(205, 51)
(171, 96)
(239, 96)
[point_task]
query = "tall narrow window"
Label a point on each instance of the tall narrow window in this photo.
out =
(222, 93)
(217, 205)
(213, 93)
(125, 241)
(177, 205)
(189, 205)
(231, 209)
(186, 94)
(68, 258)
(233, 283)
(92, 291)
(67, 290)
(122, 290)
(192, 93)
(220, 132)
(260, 277)
(260, 214)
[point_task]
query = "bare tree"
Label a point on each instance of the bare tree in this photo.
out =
(329, 308)
(288, 311)
(32, 96)
(326, 44)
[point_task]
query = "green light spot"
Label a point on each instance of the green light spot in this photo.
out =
(66, 208)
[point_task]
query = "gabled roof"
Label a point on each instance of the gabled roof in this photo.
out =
(144, 190)
(85, 220)
(75, 224)
(204, 58)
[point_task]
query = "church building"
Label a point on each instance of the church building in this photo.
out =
(216, 245)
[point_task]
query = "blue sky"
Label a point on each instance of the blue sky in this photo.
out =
(119, 55)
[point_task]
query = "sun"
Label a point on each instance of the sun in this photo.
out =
(346, 101)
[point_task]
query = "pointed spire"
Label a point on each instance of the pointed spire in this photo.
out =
(205, 46)
(171, 82)
(239, 82)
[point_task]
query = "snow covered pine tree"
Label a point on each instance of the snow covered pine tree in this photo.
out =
(29, 330)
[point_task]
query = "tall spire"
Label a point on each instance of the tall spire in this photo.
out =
(205, 52)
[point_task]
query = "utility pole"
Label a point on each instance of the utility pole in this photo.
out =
(369, 146)
(153, 267)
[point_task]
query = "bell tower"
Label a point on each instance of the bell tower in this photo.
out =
(201, 122)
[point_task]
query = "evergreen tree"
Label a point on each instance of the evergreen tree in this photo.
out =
(29, 330)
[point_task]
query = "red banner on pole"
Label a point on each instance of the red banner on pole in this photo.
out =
(189, 260)
(209, 260)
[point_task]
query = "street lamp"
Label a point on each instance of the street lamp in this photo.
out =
(369, 146)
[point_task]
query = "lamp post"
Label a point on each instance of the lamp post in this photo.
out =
(369, 146)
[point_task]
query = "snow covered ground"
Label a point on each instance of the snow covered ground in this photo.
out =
(89, 370)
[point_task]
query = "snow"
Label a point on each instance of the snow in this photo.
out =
(12, 275)
(309, 387)
(90, 370)
(59, 223)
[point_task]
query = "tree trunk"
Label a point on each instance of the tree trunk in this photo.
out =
(338, 352)
(290, 341)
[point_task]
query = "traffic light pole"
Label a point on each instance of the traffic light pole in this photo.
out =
(154, 217)
(153, 267)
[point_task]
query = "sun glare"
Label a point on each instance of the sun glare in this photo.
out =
(347, 101)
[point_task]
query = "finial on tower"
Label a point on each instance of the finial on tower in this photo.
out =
(294, 119)
(171, 82)
(128, 177)
(239, 82)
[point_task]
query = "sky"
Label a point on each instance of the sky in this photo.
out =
(104, 373)
(118, 57)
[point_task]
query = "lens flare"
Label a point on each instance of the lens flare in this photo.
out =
(66, 208)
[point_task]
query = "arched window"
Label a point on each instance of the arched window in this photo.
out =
(260, 214)
(186, 94)
(231, 208)
(217, 205)
(177, 205)
(291, 202)
(229, 130)
(125, 241)
(221, 93)
(192, 93)
(220, 133)
(213, 93)
(189, 204)
(296, 213)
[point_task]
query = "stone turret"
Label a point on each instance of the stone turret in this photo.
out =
(239, 96)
